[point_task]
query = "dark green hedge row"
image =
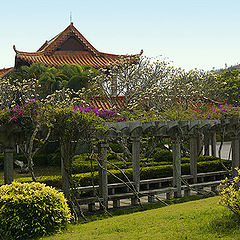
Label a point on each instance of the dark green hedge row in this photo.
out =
(81, 163)
(52, 159)
(80, 166)
(85, 179)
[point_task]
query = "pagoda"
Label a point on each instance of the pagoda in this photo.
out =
(68, 47)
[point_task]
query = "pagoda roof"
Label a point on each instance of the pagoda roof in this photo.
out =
(5, 71)
(70, 47)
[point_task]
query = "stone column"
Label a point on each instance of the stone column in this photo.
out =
(213, 144)
(8, 165)
(136, 162)
(193, 157)
(177, 166)
(65, 171)
(206, 144)
(199, 144)
(235, 154)
(103, 179)
(8, 142)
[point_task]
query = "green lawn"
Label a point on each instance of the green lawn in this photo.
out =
(201, 219)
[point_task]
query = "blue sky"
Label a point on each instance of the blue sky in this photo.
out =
(192, 33)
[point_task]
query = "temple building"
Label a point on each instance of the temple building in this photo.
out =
(68, 47)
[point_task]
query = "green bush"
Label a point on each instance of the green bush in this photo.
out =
(229, 193)
(203, 158)
(85, 179)
(117, 148)
(31, 210)
(52, 159)
(83, 166)
(162, 155)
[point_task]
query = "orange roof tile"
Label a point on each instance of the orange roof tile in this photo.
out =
(4, 71)
(69, 47)
(120, 102)
(113, 102)
(101, 61)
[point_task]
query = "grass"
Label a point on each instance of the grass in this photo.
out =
(201, 219)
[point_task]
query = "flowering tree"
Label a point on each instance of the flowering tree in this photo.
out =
(230, 86)
(156, 86)
(35, 130)
(19, 106)
(14, 92)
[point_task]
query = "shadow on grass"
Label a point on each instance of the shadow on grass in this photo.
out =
(99, 215)
(225, 223)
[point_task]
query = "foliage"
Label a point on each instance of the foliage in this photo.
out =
(51, 79)
(150, 171)
(106, 114)
(30, 210)
(14, 92)
(31, 119)
(155, 85)
(230, 86)
(162, 155)
(229, 191)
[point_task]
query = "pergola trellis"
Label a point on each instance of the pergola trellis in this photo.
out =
(175, 130)
(137, 130)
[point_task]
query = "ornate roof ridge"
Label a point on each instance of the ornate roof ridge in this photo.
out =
(121, 55)
(50, 46)
(5, 71)
(27, 53)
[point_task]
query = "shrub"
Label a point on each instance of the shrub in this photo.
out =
(116, 147)
(162, 155)
(31, 210)
(229, 191)
(163, 169)
(203, 158)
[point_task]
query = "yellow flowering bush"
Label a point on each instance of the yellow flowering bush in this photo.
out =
(229, 191)
(30, 210)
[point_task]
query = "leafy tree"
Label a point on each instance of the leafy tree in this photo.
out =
(156, 86)
(230, 86)
(77, 77)
(51, 79)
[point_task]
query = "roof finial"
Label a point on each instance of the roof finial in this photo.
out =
(71, 18)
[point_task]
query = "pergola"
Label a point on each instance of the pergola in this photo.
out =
(136, 131)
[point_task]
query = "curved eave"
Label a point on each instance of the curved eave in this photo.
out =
(5, 71)
(101, 61)
(56, 60)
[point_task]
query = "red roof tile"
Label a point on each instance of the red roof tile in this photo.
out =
(114, 102)
(4, 71)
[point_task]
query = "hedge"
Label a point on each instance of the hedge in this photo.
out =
(52, 159)
(85, 179)
(82, 164)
